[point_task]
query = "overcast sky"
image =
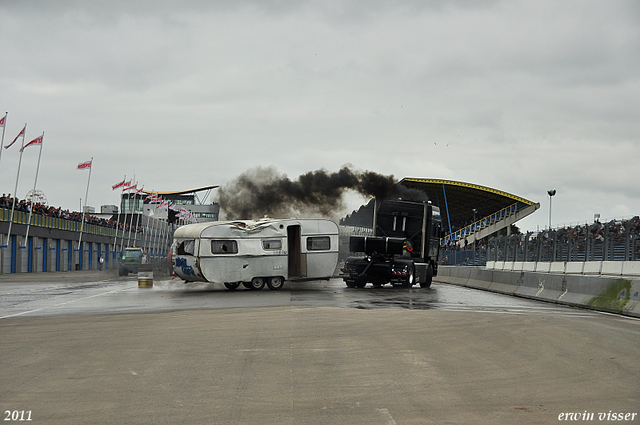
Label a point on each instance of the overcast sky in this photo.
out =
(521, 96)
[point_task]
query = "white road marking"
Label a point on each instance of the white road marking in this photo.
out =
(385, 413)
(61, 304)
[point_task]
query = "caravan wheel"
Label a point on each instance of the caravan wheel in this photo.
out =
(257, 283)
(275, 283)
(232, 286)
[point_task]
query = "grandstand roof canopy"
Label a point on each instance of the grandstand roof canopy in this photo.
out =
(180, 192)
(462, 198)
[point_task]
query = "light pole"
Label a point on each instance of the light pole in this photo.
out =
(551, 193)
(475, 229)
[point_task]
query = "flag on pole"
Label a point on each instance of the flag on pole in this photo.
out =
(2, 121)
(36, 141)
(21, 134)
(117, 185)
(126, 185)
(85, 165)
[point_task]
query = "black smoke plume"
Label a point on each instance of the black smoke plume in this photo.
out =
(263, 191)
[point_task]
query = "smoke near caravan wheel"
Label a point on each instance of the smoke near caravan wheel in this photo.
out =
(264, 191)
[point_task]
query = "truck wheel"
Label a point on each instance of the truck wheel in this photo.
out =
(232, 286)
(275, 283)
(361, 283)
(350, 283)
(257, 283)
(120, 272)
(427, 282)
(410, 276)
(246, 285)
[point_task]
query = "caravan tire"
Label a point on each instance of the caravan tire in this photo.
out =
(275, 283)
(257, 283)
(232, 286)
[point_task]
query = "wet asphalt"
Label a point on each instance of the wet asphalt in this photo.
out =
(88, 347)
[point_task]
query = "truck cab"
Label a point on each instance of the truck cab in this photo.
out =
(403, 251)
(130, 261)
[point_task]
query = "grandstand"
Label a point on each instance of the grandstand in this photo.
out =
(494, 209)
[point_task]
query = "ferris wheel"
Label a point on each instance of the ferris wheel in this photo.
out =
(37, 197)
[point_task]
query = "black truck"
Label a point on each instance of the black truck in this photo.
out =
(404, 250)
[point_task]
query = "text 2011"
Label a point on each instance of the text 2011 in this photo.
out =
(17, 415)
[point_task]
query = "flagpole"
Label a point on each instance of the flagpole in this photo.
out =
(124, 220)
(15, 190)
(4, 127)
(115, 239)
(135, 198)
(131, 216)
(86, 194)
(26, 238)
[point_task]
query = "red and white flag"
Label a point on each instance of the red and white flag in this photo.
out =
(126, 185)
(3, 120)
(133, 187)
(117, 185)
(36, 141)
(139, 191)
(84, 165)
(21, 134)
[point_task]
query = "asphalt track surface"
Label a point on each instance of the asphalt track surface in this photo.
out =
(90, 347)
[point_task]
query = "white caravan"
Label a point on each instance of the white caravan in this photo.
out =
(255, 253)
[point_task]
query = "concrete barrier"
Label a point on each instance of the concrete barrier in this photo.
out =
(574, 267)
(591, 267)
(633, 305)
(479, 278)
(557, 267)
(603, 293)
(631, 268)
(612, 268)
(502, 281)
(542, 267)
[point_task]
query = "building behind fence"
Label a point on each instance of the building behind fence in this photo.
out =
(53, 243)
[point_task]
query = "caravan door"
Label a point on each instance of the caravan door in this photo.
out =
(297, 260)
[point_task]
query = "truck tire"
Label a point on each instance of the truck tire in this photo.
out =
(275, 283)
(232, 286)
(411, 276)
(257, 283)
(350, 283)
(429, 278)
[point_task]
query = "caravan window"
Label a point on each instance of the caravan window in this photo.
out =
(318, 243)
(272, 244)
(187, 247)
(224, 247)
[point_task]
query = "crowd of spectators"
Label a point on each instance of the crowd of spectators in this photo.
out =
(569, 243)
(48, 211)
